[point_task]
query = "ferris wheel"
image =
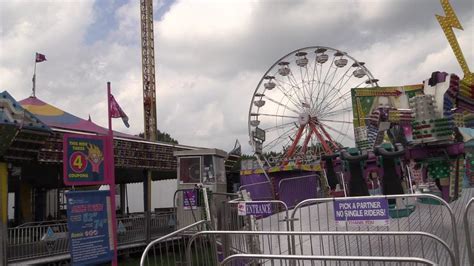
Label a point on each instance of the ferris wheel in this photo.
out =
(301, 108)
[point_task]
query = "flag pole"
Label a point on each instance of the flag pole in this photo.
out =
(34, 80)
(111, 166)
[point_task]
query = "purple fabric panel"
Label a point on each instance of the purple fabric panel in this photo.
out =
(259, 191)
(251, 179)
(294, 191)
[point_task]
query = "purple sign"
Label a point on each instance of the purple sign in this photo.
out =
(254, 208)
(190, 199)
(361, 212)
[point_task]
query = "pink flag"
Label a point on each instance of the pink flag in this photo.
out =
(40, 57)
(116, 111)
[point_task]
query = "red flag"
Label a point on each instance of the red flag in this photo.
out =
(116, 111)
(40, 57)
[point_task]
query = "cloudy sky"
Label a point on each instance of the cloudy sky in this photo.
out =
(210, 55)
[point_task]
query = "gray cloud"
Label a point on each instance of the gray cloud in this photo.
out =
(211, 55)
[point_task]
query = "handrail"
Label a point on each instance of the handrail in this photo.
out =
(38, 223)
(328, 258)
(225, 194)
(470, 254)
(152, 243)
(326, 233)
(258, 183)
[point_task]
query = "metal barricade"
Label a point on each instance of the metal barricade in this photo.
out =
(35, 241)
(331, 260)
(264, 215)
(468, 223)
(270, 244)
(170, 249)
(131, 229)
(162, 224)
(296, 189)
(416, 212)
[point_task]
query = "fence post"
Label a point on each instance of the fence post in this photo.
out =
(3, 213)
(470, 254)
(147, 203)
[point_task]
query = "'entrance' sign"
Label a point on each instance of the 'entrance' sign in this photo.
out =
(254, 208)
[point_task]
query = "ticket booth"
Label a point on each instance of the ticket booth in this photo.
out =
(200, 173)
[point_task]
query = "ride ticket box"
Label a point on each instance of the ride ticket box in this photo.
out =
(198, 169)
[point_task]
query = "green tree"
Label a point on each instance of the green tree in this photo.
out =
(162, 136)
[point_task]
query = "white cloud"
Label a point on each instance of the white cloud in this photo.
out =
(210, 55)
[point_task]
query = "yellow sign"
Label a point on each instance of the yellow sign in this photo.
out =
(447, 23)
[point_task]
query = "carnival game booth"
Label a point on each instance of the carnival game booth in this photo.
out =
(31, 169)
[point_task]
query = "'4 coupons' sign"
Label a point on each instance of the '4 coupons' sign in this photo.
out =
(361, 212)
(84, 160)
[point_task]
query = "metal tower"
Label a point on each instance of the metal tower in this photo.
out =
(148, 69)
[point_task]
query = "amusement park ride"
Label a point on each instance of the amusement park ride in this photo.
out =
(307, 105)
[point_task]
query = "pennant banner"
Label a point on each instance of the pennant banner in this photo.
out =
(40, 57)
(116, 111)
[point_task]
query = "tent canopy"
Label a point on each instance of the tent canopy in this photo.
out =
(57, 118)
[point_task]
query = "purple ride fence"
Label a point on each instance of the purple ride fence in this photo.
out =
(296, 189)
(260, 190)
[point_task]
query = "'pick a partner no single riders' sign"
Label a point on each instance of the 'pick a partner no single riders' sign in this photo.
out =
(361, 212)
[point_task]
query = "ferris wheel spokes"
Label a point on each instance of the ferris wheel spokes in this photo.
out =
(303, 104)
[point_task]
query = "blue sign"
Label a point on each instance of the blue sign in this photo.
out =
(372, 211)
(90, 230)
(254, 208)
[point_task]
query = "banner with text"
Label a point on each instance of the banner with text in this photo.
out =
(361, 212)
(90, 230)
(83, 160)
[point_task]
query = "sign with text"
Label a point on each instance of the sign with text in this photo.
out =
(84, 160)
(90, 230)
(361, 212)
(254, 208)
(190, 199)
